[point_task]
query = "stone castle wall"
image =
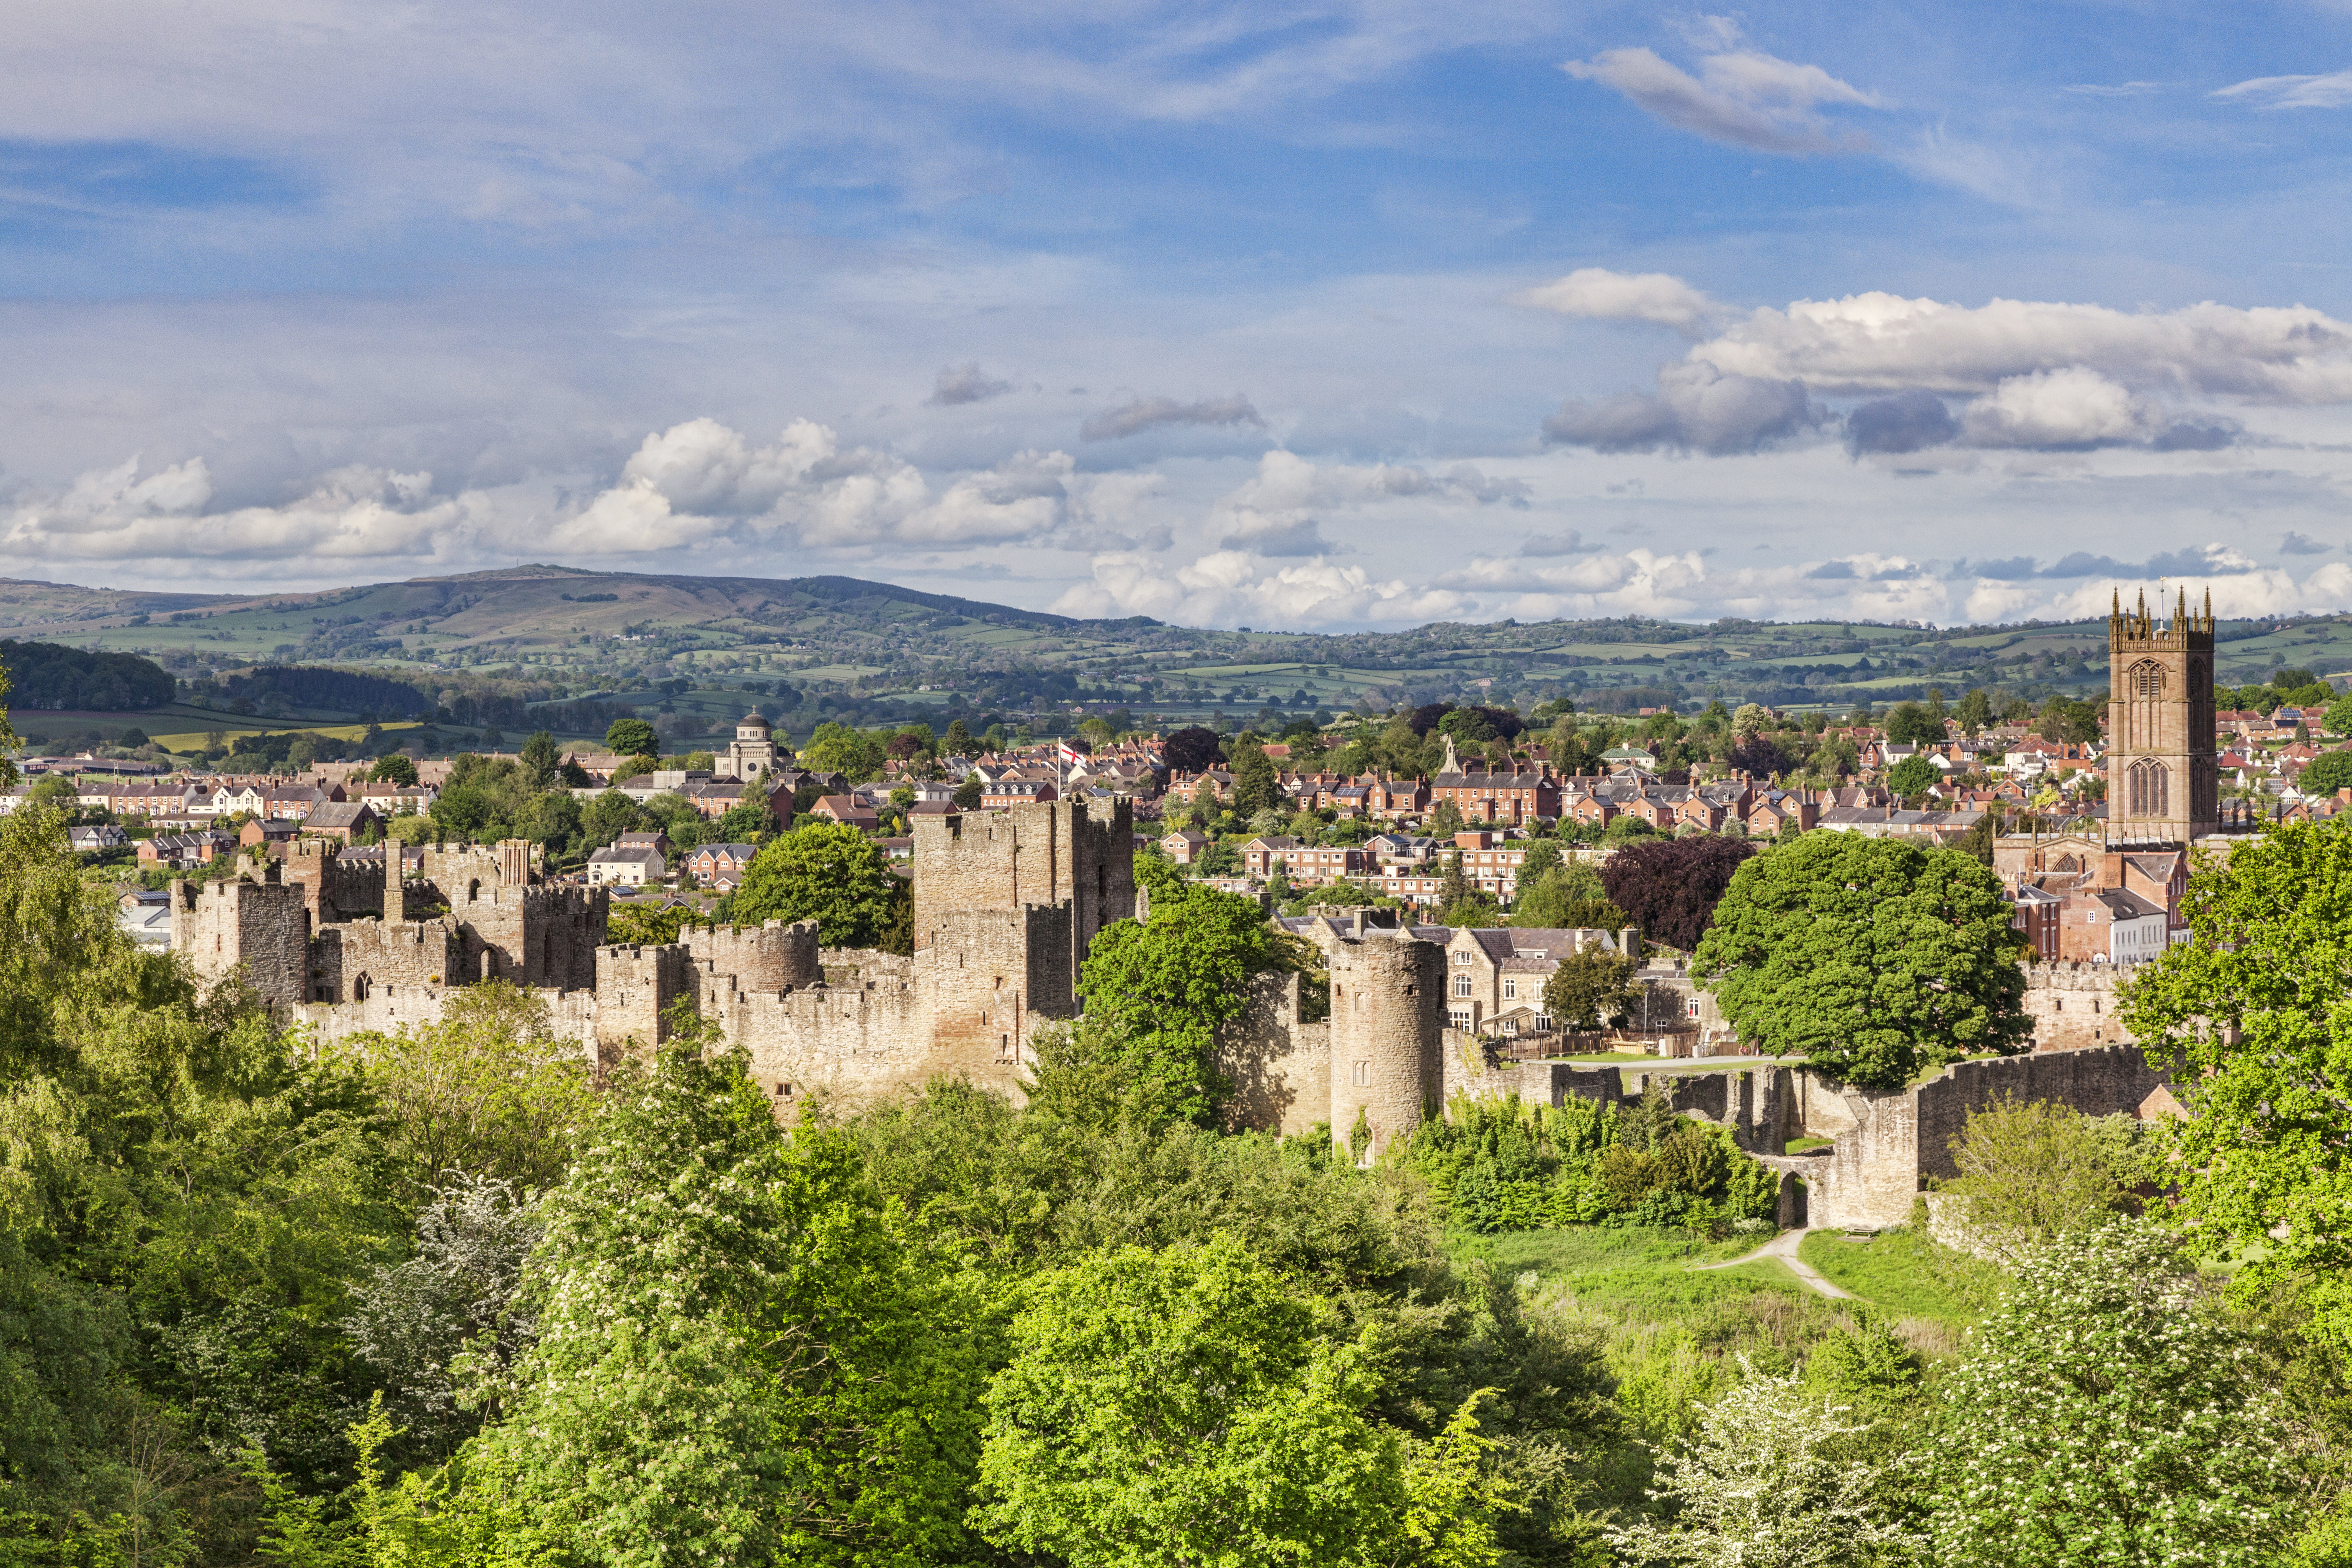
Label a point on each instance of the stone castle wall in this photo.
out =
(261, 926)
(2073, 1005)
(1279, 1066)
(357, 959)
(771, 957)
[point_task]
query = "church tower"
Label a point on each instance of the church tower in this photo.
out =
(2163, 780)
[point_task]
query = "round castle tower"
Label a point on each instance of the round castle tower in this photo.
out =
(1387, 1011)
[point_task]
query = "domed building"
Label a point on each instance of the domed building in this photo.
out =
(752, 755)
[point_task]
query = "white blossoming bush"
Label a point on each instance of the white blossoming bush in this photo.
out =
(2107, 1414)
(1770, 1480)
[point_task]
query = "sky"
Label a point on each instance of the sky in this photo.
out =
(1304, 315)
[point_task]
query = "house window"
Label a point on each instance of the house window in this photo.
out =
(1693, 1006)
(1458, 1020)
(1510, 989)
(1543, 1023)
(1461, 986)
(1462, 955)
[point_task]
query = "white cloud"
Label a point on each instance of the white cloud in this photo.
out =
(1230, 587)
(1595, 293)
(2044, 376)
(2332, 90)
(1871, 343)
(965, 382)
(352, 514)
(1743, 98)
(1272, 513)
(2265, 592)
(1150, 412)
(2058, 408)
(1697, 408)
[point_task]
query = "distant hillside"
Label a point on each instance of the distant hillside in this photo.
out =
(47, 676)
(694, 652)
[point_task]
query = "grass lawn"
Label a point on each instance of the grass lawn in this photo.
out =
(1673, 1336)
(1799, 1145)
(1904, 1272)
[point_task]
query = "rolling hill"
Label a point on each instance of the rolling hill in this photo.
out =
(810, 648)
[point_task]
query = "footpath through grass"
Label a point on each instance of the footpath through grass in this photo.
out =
(1906, 1274)
(1672, 1336)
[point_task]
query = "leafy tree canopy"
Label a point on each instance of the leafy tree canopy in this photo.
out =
(2107, 1414)
(1670, 886)
(2253, 1017)
(1876, 959)
(632, 737)
(825, 871)
(1912, 776)
(2326, 772)
(1589, 989)
(1185, 1406)
(393, 767)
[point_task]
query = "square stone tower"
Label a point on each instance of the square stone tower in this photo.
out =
(2163, 778)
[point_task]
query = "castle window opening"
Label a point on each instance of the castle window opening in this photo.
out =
(783, 1092)
(1363, 1074)
(1004, 1048)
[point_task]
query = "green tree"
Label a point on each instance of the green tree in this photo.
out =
(822, 872)
(2108, 1414)
(8, 740)
(1875, 959)
(738, 1358)
(2032, 1173)
(1253, 783)
(554, 819)
(647, 925)
(2252, 1017)
(542, 758)
(1590, 989)
(967, 792)
(1910, 725)
(1185, 1406)
(837, 748)
(2326, 774)
(395, 768)
(958, 742)
(1540, 857)
(1156, 991)
(2337, 721)
(486, 1091)
(608, 816)
(632, 737)
(743, 824)
(1771, 1480)
(1975, 711)
(1912, 777)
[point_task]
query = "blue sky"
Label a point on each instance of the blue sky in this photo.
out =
(1322, 315)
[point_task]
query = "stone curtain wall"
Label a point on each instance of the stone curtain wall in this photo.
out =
(2073, 1005)
(774, 957)
(1279, 1067)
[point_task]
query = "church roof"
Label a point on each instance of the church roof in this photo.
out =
(753, 717)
